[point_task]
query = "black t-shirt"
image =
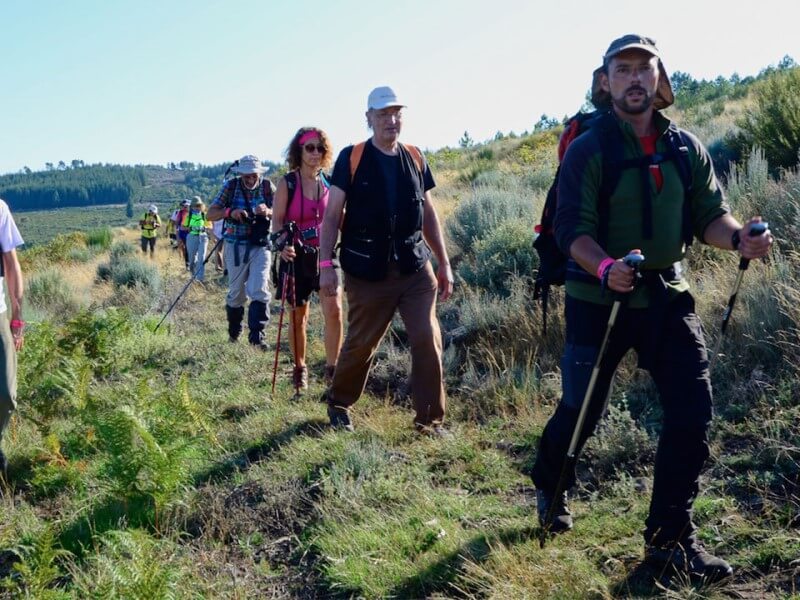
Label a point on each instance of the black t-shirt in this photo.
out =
(390, 166)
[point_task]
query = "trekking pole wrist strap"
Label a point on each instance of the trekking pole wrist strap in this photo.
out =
(604, 265)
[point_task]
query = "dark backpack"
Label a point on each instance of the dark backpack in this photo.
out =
(554, 268)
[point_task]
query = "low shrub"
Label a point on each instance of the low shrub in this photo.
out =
(485, 209)
(100, 238)
(505, 251)
(132, 272)
(49, 292)
(120, 250)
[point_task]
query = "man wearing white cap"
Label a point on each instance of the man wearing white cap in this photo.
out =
(245, 203)
(389, 230)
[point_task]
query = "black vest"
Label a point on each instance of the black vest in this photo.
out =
(371, 236)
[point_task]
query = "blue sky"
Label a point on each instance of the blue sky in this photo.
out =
(206, 81)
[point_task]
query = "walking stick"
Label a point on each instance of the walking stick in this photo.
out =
(284, 285)
(186, 287)
(294, 323)
(634, 260)
(756, 229)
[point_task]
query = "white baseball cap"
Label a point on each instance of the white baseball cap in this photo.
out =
(382, 97)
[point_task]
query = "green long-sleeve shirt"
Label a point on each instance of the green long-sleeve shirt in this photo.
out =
(577, 215)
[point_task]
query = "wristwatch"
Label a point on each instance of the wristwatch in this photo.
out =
(736, 239)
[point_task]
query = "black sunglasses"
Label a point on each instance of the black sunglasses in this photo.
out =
(318, 147)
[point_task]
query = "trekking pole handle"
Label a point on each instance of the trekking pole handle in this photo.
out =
(634, 260)
(756, 229)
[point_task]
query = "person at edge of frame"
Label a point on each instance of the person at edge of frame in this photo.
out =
(11, 330)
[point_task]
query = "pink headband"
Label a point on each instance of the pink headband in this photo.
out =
(308, 135)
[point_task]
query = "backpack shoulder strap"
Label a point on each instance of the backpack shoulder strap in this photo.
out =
(679, 147)
(355, 158)
(416, 155)
(230, 191)
(325, 179)
(267, 191)
(611, 142)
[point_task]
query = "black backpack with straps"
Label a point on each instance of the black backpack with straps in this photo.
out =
(555, 267)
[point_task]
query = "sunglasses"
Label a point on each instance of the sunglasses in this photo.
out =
(318, 147)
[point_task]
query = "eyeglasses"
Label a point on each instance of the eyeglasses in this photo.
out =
(311, 147)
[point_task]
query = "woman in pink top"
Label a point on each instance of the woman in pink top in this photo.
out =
(301, 198)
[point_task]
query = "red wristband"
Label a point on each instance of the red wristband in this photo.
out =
(17, 323)
(604, 264)
(228, 212)
(324, 264)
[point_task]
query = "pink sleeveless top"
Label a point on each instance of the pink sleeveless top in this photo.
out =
(305, 211)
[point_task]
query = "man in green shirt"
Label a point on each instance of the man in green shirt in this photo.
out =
(660, 322)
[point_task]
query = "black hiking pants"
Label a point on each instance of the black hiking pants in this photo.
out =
(669, 343)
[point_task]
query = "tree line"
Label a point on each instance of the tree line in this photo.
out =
(82, 186)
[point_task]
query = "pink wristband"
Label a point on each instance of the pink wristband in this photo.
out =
(323, 264)
(17, 324)
(228, 212)
(604, 264)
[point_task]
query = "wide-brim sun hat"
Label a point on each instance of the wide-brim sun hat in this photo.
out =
(664, 95)
(249, 165)
(197, 201)
(153, 209)
(382, 97)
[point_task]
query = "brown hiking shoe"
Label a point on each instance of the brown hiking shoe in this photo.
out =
(300, 378)
(690, 557)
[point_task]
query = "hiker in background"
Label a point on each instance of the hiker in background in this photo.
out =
(660, 323)
(149, 223)
(181, 231)
(245, 202)
(389, 229)
(11, 331)
(171, 227)
(198, 227)
(301, 198)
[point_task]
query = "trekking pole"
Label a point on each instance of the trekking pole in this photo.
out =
(293, 304)
(284, 285)
(634, 260)
(186, 287)
(756, 229)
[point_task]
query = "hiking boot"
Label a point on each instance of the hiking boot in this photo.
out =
(690, 557)
(434, 431)
(561, 519)
(340, 419)
(262, 345)
(327, 377)
(300, 378)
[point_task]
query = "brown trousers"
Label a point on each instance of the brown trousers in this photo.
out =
(371, 306)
